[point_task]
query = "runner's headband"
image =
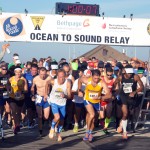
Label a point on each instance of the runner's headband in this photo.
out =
(54, 66)
(18, 69)
(129, 70)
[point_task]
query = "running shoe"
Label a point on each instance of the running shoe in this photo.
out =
(119, 129)
(86, 137)
(51, 133)
(106, 131)
(31, 126)
(90, 138)
(40, 133)
(16, 129)
(124, 136)
(75, 129)
(85, 127)
(59, 138)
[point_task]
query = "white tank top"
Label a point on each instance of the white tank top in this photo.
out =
(70, 77)
(57, 90)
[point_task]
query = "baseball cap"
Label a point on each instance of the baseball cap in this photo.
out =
(108, 65)
(140, 70)
(87, 72)
(63, 64)
(54, 65)
(116, 68)
(91, 64)
(16, 57)
(100, 64)
(119, 65)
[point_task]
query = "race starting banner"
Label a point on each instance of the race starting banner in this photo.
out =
(74, 29)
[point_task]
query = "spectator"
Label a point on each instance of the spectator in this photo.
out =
(15, 58)
(47, 62)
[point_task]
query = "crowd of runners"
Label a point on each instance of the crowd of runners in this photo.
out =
(83, 93)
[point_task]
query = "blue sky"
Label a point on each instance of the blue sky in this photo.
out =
(112, 8)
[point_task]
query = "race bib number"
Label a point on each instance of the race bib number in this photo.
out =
(58, 94)
(5, 95)
(91, 95)
(127, 89)
(30, 81)
(18, 95)
(38, 99)
(4, 82)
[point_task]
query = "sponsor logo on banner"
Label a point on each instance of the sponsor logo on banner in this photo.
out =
(77, 25)
(86, 23)
(119, 27)
(13, 26)
(37, 21)
(104, 26)
(148, 28)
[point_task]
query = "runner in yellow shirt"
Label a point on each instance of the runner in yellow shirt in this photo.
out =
(92, 97)
(18, 87)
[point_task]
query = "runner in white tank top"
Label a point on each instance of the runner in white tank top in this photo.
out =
(61, 91)
(57, 91)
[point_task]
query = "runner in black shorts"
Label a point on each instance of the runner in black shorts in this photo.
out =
(4, 77)
(30, 105)
(127, 93)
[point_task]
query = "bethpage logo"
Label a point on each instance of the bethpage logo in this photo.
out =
(13, 26)
(70, 24)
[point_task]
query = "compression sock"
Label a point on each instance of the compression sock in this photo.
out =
(53, 124)
(124, 125)
(90, 131)
(59, 129)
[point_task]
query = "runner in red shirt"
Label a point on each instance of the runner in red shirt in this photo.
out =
(106, 106)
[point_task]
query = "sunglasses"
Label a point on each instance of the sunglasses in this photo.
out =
(109, 75)
(4, 69)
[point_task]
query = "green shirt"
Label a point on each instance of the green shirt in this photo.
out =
(74, 66)
(12, 64)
